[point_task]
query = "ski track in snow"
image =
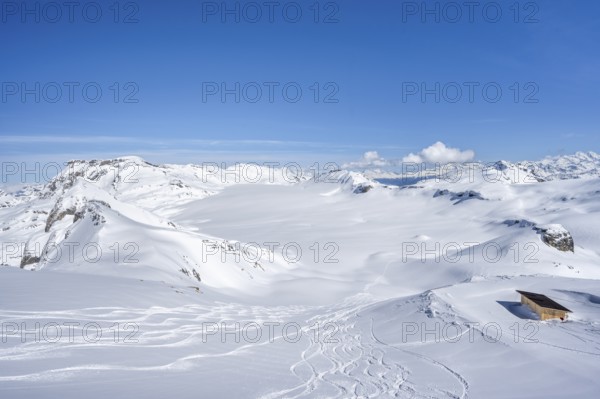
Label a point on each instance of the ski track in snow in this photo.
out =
(349, 361)
(355, 363)
(159, 328)
(375, 285)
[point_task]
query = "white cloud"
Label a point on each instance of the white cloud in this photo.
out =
(436, 153)
(440, 153)
(412, 158)
(369, 159)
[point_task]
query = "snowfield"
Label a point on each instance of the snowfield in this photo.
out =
(122, 278)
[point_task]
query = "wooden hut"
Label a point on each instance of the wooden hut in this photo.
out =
(545, 307)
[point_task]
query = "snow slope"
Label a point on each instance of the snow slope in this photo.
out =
(237, 285)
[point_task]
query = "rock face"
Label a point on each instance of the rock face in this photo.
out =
(520, 222)
(459, 196)
(94, 209)
(363, 188)
(555, 235)
(29, 259)
(58, 214)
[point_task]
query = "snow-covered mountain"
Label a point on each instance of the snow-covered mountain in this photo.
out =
(397, 290)
(112, 217)
(578, 165)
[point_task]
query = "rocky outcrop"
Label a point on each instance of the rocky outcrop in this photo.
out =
(93, 210)
(58, 213)
(196, 275)
(519, 222)
(77, 211)
(556, 236)
(459, 196)
(29, 259)
(117, 170)
(363, 188)
(31, 254)
(553, 235)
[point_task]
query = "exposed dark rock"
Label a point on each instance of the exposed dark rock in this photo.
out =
(459, 196)
(93, 211)
(519, 222)
(58, 214)
(28, 259)
(553, 235)
(501, 165)
(196, 274)
(361, 189)
(557, 236)
(178, 183)
(106, 204)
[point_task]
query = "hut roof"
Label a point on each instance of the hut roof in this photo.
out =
(543, 301)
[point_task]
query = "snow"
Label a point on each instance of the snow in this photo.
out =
(381, 292)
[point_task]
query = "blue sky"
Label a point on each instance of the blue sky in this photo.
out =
(356, 63)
